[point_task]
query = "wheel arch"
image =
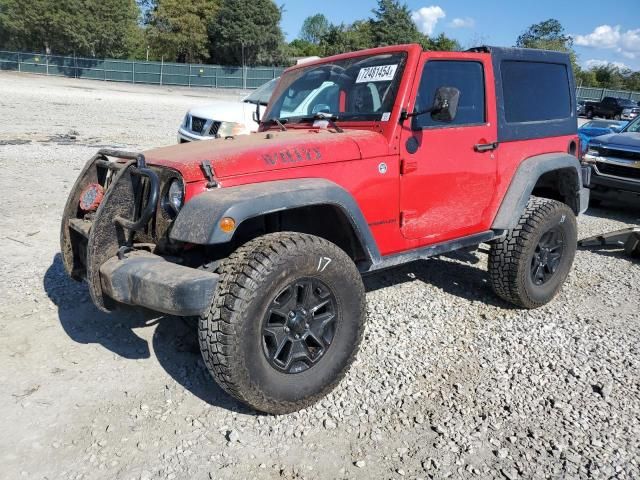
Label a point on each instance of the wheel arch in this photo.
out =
(313, 206)
(557, 176)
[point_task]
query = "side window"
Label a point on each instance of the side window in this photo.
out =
(466, 76)
(535, 91)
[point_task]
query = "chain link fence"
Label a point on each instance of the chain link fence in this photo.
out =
(135, 71)
(183, 74)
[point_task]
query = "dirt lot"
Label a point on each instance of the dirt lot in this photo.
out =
(450, 381)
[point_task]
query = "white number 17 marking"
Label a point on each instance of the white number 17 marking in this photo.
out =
(323, 263)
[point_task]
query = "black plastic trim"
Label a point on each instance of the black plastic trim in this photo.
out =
(436, 249)
(524, 181)
(150, 281)
(199, 218)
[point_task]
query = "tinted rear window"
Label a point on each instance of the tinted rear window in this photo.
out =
(535, 91)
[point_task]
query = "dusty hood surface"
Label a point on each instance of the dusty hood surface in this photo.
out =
(267, 151)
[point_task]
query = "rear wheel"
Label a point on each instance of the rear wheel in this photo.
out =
(286, 321)
(529, 266)
(589, 114)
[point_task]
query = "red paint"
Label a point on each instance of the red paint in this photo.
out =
(446, 189)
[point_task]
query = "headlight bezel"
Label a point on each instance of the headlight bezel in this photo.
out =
(173, 198)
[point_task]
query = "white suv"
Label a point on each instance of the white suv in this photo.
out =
(226, 118)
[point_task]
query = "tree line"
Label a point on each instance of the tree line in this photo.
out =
(230, 32)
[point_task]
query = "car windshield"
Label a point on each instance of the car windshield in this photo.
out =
(633, 127)
(355, 89)
(626, 103)
(602, 124)
(263, 93)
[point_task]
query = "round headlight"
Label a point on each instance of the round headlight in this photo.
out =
(175, 196)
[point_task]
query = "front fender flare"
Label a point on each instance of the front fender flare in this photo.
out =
(198, 220)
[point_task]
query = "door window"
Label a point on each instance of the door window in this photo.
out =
(466, 76)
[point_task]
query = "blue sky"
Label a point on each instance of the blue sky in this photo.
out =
(603, 31)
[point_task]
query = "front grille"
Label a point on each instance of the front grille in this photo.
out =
(619, 171)
(624, 154)
(215, 127)
(197, 125)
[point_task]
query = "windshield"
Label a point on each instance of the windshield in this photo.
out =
(633, 127)
(626, 103)
(263, 93)
(355, 89)
(603, 124)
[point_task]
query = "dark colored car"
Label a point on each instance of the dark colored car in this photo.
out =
(612, 107)
(615, 162)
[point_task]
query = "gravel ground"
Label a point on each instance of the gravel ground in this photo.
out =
(450, 381)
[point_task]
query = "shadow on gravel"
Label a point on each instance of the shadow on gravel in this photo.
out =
(460, 279)
(175, 341)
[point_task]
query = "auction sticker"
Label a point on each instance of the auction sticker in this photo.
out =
(381, 73)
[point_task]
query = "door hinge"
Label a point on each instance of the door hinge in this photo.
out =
(408, 166)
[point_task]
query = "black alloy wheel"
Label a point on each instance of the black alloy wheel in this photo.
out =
(547, 256)
(299, 325)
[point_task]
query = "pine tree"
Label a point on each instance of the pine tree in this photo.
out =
(249, 30)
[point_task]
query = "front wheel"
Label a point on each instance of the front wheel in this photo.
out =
(286, 321)
(617, 117)
(529, 266)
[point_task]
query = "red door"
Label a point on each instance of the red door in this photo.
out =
(448, 174)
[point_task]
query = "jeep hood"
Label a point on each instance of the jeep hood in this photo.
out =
(267, 151)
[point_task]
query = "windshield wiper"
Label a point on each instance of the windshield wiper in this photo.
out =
(277, 121)
(332, 119)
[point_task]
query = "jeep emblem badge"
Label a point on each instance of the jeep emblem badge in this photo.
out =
(382, 168)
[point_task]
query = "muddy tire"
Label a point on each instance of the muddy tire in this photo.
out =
(529, 266)
(286, 321)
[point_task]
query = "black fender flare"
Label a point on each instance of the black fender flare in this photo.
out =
(198, 221)
(524, 181)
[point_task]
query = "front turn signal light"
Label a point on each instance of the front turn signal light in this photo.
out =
(227, 224)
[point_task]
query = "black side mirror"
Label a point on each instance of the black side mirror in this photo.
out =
(444, 108)
(256, 114)
(445, 104)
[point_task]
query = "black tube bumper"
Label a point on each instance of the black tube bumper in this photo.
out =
(150, 281)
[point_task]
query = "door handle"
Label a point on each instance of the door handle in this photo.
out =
(485, 147)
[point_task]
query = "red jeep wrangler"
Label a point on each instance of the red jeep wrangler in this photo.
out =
(363, 161)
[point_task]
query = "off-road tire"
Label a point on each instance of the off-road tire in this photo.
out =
(230, 334)
(510, 259)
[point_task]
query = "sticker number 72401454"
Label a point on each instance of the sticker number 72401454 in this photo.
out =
(381, 73)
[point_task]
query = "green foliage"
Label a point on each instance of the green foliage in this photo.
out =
(303, 48)
(392, 24)
(249, 26)
(84, 27)
(313, 28)
(347, 38)
(177, 30)
(442, 43)
(547, 35)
